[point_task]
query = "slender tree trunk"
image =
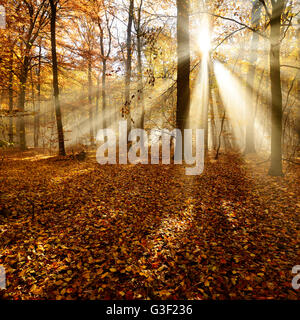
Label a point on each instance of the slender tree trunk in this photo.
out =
(90, 86)
(21, 104)
(38, 105)
(97, 106)
(208, 110)
(128, 64)
(104, 111)
(141, 104)
(60, 131)
(33, 100)
(276, 135)
(11, 97)
(250, 131)
(298, 86)
(183, 67)
(105, 57)
(220, 136)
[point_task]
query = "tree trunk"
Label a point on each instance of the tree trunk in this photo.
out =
(183, 67)
(60, 131)
(128, 64)
(208, 111)
(250, 132)
(38, 106)
(11, 97)
(276, 135)
(104, 111)
(298, 86)
(21, 104)
(141, 104)
(90, 85)
(97, 106)
(33, 99)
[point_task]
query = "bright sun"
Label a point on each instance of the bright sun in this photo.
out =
(203, 36)
(204, 43)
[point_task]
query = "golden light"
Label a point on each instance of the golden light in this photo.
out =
(203, 36)
(199, 96)
(235, 100)
(238, 101)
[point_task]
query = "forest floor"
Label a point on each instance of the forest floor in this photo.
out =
(79, 230)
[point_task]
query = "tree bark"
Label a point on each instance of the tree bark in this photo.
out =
(60, 131)
(250, 132)
(128, 64)
(140, 95)
(21, 102)
(104, 111)
(90, 86)
(276, 107)
(183, 67)
(104, 58)
(97, 106)
(298, 86)
(38, 106)
(11, 97)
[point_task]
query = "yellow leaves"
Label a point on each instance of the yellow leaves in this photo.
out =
(99, 271)
(150, 279)
(161, 268)
(61, 268)
(91, 260)
(123, 250)
(271, 285)
(113, 270)
(128, 268)
(261, 274)
(104, 275)
(122, 293)
(163, 293)
(68, 279)
(206, 283)
(86, 275)
(36, 290)
(23, 272)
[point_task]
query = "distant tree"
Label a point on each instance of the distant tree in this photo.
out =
(60, 131)
(105, 54)
(139, 35)
(35, 18)
(128, 62)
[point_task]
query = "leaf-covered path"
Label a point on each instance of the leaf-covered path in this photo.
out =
(78, 230)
